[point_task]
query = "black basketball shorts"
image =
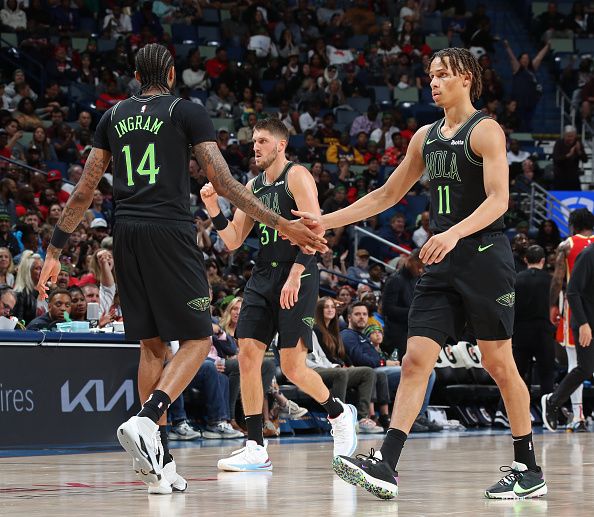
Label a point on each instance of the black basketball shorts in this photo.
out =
(472, 286)
(161, 280)
(261, 316)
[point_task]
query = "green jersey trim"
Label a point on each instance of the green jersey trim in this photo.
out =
(443, 138)
(467, 149)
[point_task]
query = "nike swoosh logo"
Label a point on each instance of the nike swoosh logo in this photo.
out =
(518, 490)
(431, 141)
(483, 248)
(258, 190)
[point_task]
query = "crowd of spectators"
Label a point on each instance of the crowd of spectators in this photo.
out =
(330, 71)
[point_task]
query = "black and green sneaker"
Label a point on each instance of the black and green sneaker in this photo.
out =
(549, 413)
(520, 483)
(368, 472)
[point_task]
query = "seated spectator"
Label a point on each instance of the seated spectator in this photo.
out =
(145, 18)
(194, 77)
(366, 123)
(78, 304)
(117, 23)
(309, 120)
(7, 301)
(515, 157)
(218, 64)
(397, 234)
(548, 236)
(6, 267)
(327, 278)
(330, 360)
(337, 201)
(12, 17)
(568, 152)
(310, 152)
(25, 114)
(222, 103)
(328, 134)
(7, 238)
(102, 270)
(382, 136)
(8, 190)
(343, 150)
(411, 128)
(59, 304)
(522, 184)
(352, 86)
(54, 180)
(110, 98)
(360, 270)
(244, 135)
(28, 307)
(42, 143)
(362, 353)
(423, 232)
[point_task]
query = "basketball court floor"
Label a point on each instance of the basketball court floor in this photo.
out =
(440, 475)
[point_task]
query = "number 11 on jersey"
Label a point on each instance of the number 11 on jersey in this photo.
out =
(149, 155)
(444, 192)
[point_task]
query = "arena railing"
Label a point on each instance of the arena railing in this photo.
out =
(23, 165)
(543, 205)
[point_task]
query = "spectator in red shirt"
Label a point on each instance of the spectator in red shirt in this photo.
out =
(411, 128)
(218, 64)
(54, 178)
(110, 97)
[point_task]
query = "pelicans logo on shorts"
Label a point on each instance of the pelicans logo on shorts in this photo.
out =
(309, 322)
(507, 299)
(199, 304)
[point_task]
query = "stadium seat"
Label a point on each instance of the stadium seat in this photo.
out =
(522, 137)
(432, 24)
(297, 140)
(382, 94)
(225, 14)
(346, 116)
(183, 49)
(87, 25)
(358, 41)
(8, 39)
(584, 45)
(226, 123)
(208, 52)
(80, 44)
(199, 94)
(359, 104)
(207, 34)
(106, 45)
(538, 8)
(408, 95)
(561, 45)
(183, 33)
(210, 16)
(235, 53)
(437, 42)
(267, 86)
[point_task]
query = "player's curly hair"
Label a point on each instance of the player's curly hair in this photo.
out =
(581, 219)
(461, 61)
(153, 62)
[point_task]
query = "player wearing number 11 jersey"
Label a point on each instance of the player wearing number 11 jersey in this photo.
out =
(469, 279)
(161, 278)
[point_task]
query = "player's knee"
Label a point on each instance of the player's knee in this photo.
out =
(498, 369)
(293, 371)
(249, 360)
(154, 347)
(415, 365)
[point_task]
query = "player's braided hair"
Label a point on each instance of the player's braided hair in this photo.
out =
(153, 62)
(581, 219)
(461, 61)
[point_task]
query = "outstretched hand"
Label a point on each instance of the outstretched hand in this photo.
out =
(312, 221)
(309, 240)
(51, 268)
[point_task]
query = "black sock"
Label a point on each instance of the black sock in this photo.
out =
(392, 446)
(254, 428)
(155, 407)
(333, 407)
(165, 442)
(524, 451)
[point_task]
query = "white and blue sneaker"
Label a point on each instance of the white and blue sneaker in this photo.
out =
(344, 431)
(251, 458)
(140, 437)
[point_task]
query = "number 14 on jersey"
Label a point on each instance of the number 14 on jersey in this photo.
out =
(148, 156)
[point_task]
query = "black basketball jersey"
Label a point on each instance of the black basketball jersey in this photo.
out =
(277, 197)
(150, 139)
(455, 175)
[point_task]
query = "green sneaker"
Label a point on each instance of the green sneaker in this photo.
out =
(520, 483)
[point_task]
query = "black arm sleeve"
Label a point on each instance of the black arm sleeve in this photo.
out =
(193, 121)
(101, 138)
(578, 283)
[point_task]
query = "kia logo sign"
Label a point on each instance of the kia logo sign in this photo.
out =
(81, 398)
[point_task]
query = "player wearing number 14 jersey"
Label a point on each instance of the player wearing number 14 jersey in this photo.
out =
(161, 278)
(469, 279)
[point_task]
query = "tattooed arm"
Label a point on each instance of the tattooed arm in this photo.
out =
(557, 281)
(82, 196)
(217, 171)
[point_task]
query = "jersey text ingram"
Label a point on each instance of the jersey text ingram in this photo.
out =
(138, 122)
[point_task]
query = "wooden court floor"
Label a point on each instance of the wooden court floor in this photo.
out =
(439, 476)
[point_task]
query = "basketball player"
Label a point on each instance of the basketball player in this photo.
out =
(162, 283)
(280, 296)
(581, 225)
(470, 272)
